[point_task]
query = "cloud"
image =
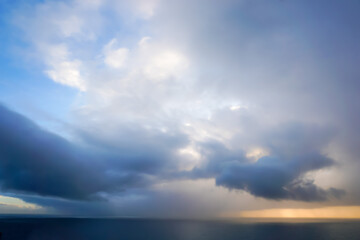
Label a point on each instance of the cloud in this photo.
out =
(246, 94)
(165, 64)
(34, 161)
(293, 152)
(115, 57)
(38, 162)
(67, 73)
(274, 179)
(63, 69)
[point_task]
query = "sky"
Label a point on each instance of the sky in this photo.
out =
(180, 109)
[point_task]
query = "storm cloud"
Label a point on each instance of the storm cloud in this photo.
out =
(275, 179)
(35, 161)
(293, 151)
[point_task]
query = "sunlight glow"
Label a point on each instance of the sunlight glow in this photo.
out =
(340, 212)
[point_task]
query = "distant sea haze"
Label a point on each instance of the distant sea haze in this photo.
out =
(161, 229)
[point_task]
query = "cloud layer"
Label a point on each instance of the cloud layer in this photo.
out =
(258, 97)
(34, 161)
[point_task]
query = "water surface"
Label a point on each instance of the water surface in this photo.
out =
(143, 229)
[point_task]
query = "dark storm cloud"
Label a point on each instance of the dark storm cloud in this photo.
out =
(273, 178)
(35, 161)
(294, 151)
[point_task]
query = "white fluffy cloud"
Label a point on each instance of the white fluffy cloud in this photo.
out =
(62, 69)
(115, 57)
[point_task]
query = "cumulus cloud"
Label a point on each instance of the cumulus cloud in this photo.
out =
(67, 73)
(115, 57)
(62, 68)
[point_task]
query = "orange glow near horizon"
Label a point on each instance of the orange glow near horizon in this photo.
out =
(339, 212)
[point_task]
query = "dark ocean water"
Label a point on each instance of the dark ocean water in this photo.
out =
(146, 229)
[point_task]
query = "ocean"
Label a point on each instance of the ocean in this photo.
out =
(155, 229)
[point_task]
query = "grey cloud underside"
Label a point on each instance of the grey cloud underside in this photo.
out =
(273, 179)
(294, 152)
(33, 161)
